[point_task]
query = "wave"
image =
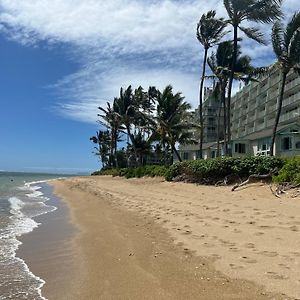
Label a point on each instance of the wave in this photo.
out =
(26, 285)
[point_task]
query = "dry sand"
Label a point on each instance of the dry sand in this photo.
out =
(149, 239)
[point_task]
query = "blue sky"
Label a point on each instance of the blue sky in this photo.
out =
(60, 60)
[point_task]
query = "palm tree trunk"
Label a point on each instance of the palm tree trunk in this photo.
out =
(219, 129)
(234, 57)
(115, 149)
(223, 100)
(283, 79)
(176, 152)
(201, 102)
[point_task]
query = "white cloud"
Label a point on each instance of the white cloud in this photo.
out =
(119, 42)
(88, 95)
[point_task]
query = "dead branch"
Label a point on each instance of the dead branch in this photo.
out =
(252, 178)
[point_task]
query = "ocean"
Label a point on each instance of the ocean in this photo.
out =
(21, 199)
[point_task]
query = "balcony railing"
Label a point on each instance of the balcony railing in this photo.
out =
(290, 115)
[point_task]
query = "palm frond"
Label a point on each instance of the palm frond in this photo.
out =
(254, 34)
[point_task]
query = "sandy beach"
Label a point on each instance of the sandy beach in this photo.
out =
(150, 239)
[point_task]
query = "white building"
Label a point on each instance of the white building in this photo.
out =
(253, 112)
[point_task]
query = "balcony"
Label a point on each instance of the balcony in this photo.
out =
(290, 115)
(292, 84)
(260, 114)
(291, 99)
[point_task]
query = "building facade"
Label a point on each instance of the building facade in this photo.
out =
(253, 112)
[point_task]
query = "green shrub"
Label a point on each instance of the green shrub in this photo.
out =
(148, 171)
(212, 170)
(290, 172)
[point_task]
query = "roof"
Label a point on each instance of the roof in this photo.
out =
(196, 147)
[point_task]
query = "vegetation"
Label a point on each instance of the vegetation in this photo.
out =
(286, 45)
(153, 123)
(241, 11)
(211, 171)
(210, 30)
(290, 172)
(145, 171)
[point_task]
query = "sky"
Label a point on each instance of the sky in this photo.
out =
(60, 60)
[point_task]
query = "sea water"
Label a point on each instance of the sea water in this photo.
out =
(21, 199)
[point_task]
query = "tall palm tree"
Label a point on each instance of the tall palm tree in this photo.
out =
(220, 63)
(172, 119)
(286, 45)
(112, 120)
(103, 141)
(210, 31)
(261, 11)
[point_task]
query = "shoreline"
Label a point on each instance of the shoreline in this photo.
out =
(127, 246)
(48, 248)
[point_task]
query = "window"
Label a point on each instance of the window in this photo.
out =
(263, 145)
(185, 155)
(298, 145)
(286, 143)
(240, 148)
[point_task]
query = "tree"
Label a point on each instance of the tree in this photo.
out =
(103, 141)
(262, 11)
(220, 63)
(111, 120)
(286, 45)
(173, 120)
(210, 31)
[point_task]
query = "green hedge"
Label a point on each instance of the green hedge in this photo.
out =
(146, 171)
(212, 170)
(290, 172)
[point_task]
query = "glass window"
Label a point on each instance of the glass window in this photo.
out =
(286, 143)
(298, 145)
(240, 148)
(185, 155)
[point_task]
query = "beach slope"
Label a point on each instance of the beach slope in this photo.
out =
(150, 239)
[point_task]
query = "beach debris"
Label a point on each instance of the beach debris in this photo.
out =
(131, 254)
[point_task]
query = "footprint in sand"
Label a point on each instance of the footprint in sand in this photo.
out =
(233, 249)
(274, 275)
(259, 233)
(187, 232)
(248, 260)
(284, 266)
(249, 245)
(294, 228)
(268, 253)
(236, 267)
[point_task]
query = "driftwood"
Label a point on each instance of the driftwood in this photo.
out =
(229, 179)
(253, 178)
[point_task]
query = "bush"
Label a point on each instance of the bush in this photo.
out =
(146, 171)
(212, 170)
(290, 172)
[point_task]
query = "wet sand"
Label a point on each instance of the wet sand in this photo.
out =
(149, 239)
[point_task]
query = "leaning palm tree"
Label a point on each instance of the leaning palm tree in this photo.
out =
(210, 31)
(103, 141)
(219, 64)
(286, 45)
(172, 120)
(261, 11)
(112, 120)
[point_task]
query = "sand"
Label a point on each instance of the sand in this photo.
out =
(150, 239)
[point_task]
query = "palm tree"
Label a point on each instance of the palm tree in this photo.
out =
(172, 120)
(286, 45)
(103, 141)
(210, 31)
(220, 63)
(111, 120)
(262, 11)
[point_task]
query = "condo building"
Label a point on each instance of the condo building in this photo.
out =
(253, 113)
